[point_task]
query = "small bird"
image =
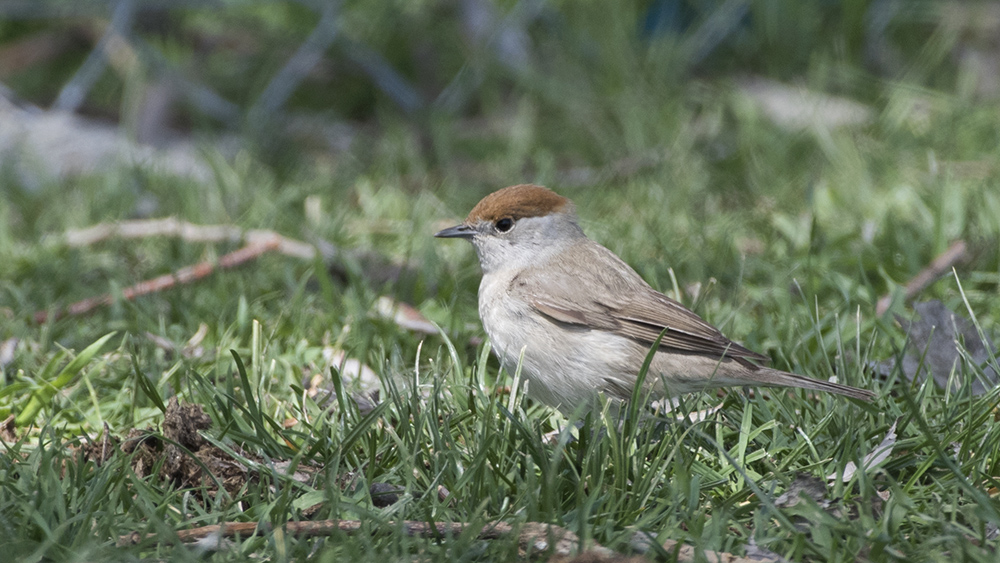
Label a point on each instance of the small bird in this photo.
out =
(580, 321)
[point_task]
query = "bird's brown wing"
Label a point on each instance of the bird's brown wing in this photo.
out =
(616, 299)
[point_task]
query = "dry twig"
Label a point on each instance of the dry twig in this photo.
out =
(171, 226)
(944, 262)
(183, 276)
(531, 536)
(688, 553)
(258, 242)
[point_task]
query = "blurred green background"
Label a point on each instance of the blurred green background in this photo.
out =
(779, 166)
(730, 140)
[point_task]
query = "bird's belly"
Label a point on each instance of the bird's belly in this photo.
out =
(566, 365)
(563, 365)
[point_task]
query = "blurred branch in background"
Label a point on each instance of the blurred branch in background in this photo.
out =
(383, 75)
(73, 93)
(256, 66)
(720, 23)
(505, 38)
(778, 164)
(286, 80)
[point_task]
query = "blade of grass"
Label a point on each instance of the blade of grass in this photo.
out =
(44, 394)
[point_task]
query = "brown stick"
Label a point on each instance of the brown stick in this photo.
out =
(171, 226)
(185, 275)
(257, 242)
(944, 262)
(532, 536)
(687, 553)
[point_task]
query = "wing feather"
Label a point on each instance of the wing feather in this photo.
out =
(617, 299)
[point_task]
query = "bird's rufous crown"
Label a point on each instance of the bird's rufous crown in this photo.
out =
(517, 202)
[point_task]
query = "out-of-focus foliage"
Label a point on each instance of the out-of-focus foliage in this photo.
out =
(486, 48)
(778, 166)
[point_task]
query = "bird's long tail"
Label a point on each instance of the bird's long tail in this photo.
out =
(777, 378)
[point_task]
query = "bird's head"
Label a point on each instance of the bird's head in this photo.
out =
(518, 227)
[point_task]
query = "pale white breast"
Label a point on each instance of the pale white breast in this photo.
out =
(564, 366)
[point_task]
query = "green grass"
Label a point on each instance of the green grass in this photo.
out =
(793, 237)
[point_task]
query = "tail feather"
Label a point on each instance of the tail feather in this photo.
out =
(777, 378)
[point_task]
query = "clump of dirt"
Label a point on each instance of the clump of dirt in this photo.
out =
(146, 449)
(182, 455)
(182, 424)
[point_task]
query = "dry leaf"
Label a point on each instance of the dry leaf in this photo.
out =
(795, 108)
(7, 348)
(935, 344)
(405, 315)
(873, 459)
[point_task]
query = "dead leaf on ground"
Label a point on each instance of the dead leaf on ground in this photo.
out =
(873, 459)
(356, 376)
(406, 316)
(805, 486)
(7, 430)
(797, 107)
(7, 348)
(360, 381)
(817, 490)
(936, 344)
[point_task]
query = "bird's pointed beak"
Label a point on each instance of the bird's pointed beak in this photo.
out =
(458, 231)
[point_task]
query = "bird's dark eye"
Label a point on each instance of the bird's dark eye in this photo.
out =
(505, 224)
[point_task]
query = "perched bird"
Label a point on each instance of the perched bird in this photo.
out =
(580, 321)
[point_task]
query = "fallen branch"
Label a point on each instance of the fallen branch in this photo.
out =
(532, 536)
(185, 275)
(190, 232)
(943, 263)
(687, 553)
(256, 243)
